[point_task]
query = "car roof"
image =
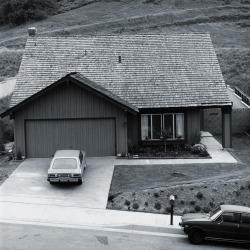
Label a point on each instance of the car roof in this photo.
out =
(67, 153)
(235, 208)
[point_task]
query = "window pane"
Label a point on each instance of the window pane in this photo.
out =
(65, 163)
(168, 125)
(145, 127)
(156, 124)
(179, 126)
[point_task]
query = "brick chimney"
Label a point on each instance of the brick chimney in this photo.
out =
(32, 31)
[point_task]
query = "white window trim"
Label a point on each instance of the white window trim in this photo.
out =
(163, 125)
(174, 114)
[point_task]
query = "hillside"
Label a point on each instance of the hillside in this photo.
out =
(228, 22)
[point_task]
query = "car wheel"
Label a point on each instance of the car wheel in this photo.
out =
(51, 183)
(196, 236)
(80, 181)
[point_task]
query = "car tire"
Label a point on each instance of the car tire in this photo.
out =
(196, 236)
(80, 181)
(51, 183)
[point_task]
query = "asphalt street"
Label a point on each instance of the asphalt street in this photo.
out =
(25, 237)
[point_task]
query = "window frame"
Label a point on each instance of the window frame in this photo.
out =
(162, 126)
(151, 125)
(174, 125)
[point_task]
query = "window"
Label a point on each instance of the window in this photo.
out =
(64, 163)
(153, 126)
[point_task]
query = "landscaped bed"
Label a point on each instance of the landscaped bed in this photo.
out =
(197, 187)
(187, 151)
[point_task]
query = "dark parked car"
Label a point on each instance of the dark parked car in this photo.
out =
(225, 223)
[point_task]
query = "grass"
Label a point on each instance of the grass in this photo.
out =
(227, 22)
(197, 187)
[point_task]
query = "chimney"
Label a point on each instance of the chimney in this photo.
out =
(32, 31)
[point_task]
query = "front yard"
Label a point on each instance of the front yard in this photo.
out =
(197, 187)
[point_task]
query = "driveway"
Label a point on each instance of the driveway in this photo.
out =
(28, 184)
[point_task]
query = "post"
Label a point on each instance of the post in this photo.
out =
(227, 127)
(171, 202)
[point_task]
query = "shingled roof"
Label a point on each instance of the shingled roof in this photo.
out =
(147, 71)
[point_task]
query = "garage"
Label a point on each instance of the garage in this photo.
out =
(97, 136)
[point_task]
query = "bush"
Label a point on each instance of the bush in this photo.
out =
(199, 149)
(197, 208)
(135, 206)
(199, 195)
(6, 125)
(157, 205)
(196, 137)
(127, 203)
(18, 12)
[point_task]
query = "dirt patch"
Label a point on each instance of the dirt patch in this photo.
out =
(6, 168)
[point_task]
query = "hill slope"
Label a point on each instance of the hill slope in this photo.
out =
(228, 22)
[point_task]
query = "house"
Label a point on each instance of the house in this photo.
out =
(99, 93)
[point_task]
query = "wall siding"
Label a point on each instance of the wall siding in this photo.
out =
(212, 120)
(193, 123)
(70, 101)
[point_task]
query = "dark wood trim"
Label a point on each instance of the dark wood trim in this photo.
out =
(67, 80)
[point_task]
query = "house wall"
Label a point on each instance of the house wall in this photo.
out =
(70, 101)
(212, 120)
(192, 124)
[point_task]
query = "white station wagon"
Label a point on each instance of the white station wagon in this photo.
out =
(67, 166)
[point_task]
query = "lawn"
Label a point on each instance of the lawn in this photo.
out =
(197, 187)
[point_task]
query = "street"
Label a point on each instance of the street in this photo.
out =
(19, 236)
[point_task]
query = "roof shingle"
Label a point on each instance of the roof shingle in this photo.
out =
(179, 70)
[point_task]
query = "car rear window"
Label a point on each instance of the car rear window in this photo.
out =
(64, 163)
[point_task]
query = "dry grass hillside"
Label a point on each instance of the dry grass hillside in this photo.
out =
(228, 22)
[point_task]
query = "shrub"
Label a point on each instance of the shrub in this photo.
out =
(19, 155)
(211, 204)
(135, 206)
(146, 203)
(197, 208)
(196, 137)
(157, 205)
(127, 203)
(168, 209)
(206, 209)
(18, 12)
(156, 195)
(199, 195)
(199, 149)
(192, 202)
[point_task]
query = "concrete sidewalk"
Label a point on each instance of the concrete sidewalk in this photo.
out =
(76, 217)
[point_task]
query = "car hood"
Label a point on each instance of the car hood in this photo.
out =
(194, 217)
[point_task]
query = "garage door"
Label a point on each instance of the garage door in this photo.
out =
(95, 136)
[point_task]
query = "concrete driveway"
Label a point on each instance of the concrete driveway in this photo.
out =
(28, 184)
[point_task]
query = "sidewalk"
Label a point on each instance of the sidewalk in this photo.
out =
(86, 218)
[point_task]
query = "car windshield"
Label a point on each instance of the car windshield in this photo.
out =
(214, 212)
(64, 163)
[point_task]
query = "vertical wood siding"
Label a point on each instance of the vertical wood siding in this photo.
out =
(69, 101)
(193, 123)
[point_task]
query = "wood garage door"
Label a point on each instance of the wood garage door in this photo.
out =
(95, 136)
